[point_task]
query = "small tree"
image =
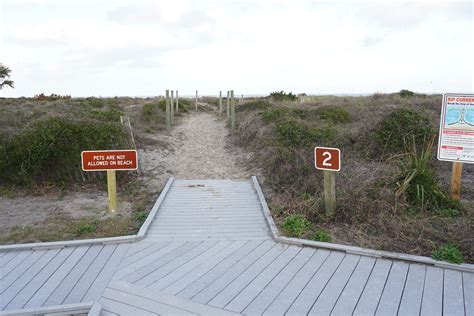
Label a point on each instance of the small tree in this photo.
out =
(4, 77)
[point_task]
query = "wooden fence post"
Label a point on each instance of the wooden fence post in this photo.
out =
(168, 114)
(330, 192)
(196, 100)
(456, 180)
(220, 102)
(228, 108)
(172, 105)
(232, 110)
(177, 101)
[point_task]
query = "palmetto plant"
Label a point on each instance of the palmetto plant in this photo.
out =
(4, 77)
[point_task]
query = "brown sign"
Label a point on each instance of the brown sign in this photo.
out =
(102, 160)
(327, 158)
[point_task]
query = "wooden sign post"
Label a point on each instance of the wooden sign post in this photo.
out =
(110, 161)
(329, 160)
(456, 135)
(456, 180)
(112, 190)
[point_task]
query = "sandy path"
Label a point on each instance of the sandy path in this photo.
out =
(197, 150)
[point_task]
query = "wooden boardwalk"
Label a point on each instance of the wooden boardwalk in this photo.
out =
(209, 251)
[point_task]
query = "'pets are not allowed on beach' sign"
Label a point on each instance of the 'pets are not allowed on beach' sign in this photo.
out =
(103, 160)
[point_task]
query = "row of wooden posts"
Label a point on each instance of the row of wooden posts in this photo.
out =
(172, 107)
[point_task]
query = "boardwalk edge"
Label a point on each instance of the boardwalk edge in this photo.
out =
(465, 267)
(142, 232)
(109, 240)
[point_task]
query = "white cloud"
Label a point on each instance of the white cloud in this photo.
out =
(96, 47)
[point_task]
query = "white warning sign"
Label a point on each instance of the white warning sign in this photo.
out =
(456, 133)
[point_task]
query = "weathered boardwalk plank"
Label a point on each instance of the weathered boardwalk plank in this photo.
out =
(432, 303)
(390, 300)
(329, 296)
(248, 294)
(413, 293)
(36, 282)
(293, 289)
(53, 282)
(349, 297)
(453, 298)
(271, 290)
(203, 281)
(368, 302)
(209, 251)
(61, 292)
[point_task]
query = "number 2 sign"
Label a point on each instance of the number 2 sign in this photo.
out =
(327, 158)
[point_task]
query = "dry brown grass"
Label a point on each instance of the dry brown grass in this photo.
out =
(368, 214)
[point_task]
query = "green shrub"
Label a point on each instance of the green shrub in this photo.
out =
(296, 225)
(253, 105)
(109, 115)
(94, 102)
(406, 93)
(52, 97)
(399, 127)
(141, 216)
(183, 105)
(448, 252)
(321, 235)
(292, 133)
(449, 212)
(151, 113)
(306, 196)
(283, 96)
(334, 114)
(418, 181)
(87, 226)
(275, 114)
(50, 150)
(162, 105)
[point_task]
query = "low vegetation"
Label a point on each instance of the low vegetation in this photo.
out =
(52, 97)
(282, 96)
(296, 225)
(321, 235)
(399, 127)
(448, 252)
(41, 140)
(391, 191)
(48, 150)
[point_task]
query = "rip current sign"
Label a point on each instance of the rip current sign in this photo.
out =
(104, 160)
(327, 158)
(456, 133)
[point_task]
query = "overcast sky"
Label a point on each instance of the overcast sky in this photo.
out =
(140, 48)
